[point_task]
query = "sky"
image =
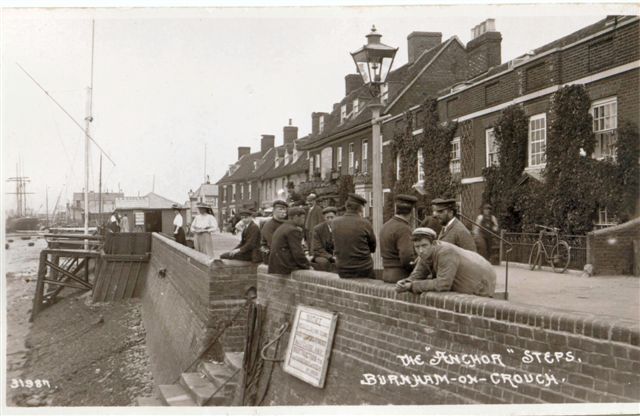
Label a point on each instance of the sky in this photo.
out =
(168, 82)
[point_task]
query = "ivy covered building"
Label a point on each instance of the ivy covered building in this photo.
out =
(604, 57)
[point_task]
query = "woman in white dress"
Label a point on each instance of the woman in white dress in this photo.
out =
(203, 227)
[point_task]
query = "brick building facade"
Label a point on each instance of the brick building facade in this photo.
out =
(604, 57)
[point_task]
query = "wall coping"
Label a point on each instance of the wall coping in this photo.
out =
(200, 258)
(604, 328)
(620, 227)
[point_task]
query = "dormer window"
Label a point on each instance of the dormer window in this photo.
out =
(355, 106)
(343, 112)
(321, 124)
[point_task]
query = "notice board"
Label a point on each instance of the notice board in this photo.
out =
(310, 343)
(139, 218)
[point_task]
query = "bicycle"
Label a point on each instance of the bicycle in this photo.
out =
(560, 254)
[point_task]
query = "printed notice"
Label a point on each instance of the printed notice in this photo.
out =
(310, 343)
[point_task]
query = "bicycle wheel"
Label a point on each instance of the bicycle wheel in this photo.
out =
(534, 256)
(560, 257)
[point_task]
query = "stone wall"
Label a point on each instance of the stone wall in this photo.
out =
(188, 298)
(611, 250)
(594, 358)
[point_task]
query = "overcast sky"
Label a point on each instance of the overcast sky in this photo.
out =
(169, 81)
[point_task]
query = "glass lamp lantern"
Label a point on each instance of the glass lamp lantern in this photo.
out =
(374, 60)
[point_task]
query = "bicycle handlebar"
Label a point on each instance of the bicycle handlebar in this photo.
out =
(554, 229)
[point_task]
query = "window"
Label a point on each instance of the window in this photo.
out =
(605, 123)
(241, 196)
(233, 195)
(454, 164)
(316, 162)
(365, 155)
(420, 166)
(384, 93)
(537, 140)
(320, 124)
(343, 112)
(355, 107)
(492, 147)
(249, 191)
(339, 158)
(351, 159)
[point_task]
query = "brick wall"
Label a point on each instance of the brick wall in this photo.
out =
(187, 299)
(375, 325)
(611, 251)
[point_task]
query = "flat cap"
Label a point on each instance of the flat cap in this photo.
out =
(424, 232)
(176, 206)
(357, 199)
(440, 203)
(202, 205)
(281, 203)
(246, 212)
(311, 196)
(292, 212)
(406, 199)
(330, 209)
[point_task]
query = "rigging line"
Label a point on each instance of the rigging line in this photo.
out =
(64, 148)
(67, 113)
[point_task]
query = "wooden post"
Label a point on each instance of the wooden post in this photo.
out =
(501, 246)
(37, 298)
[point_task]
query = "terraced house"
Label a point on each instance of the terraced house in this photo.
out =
(604, 57)
(256, 179)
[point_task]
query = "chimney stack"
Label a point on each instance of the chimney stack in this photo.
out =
(267, 142)
(243, 150)
(289, 133)
(484, 49)
(418, 42)
(351, 83)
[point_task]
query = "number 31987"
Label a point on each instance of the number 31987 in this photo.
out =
(28, 383)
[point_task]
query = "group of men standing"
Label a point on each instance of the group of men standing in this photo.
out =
(440, 255)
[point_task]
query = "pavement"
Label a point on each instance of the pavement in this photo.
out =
(616, 296)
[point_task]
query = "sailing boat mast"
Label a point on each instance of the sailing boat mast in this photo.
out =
(88, 119)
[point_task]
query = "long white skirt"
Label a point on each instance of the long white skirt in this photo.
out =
(203, 242)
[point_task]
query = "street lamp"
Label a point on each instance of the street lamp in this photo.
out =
(374, 61)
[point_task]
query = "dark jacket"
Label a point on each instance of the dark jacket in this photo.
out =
(314, 217)
(249, 244)
(322, 245)
(287, 254)
(267, 232)
(457, 234)
(396, 246)
(354, 241)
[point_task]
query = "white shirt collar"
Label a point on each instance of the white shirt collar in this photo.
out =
(450, 222)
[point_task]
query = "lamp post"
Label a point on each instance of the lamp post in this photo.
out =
(374, 61)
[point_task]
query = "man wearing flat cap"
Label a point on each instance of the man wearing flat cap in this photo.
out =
(322, 243)
(354, 240)
(287, 253)
(443, 267)
(277, 218)
(249, 247)
(314, 217)
(453, 231)
(396, 247)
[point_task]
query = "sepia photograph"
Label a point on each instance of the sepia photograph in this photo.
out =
(320, 208)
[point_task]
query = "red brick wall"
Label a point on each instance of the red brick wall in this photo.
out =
(375, 325)
(610, 250)
(184, 309)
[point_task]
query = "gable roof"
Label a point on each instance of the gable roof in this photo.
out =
(149, 201)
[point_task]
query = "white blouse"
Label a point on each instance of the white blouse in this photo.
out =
(204, 223)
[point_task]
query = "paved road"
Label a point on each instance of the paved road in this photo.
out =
(617, 296)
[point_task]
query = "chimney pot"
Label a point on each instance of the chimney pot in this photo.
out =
(351, 83)
(289, 133)
(267, 142)
(484, 50)
(243, 150)
(418, 42)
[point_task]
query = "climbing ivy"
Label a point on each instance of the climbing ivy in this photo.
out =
(502, 188)
(436, 148)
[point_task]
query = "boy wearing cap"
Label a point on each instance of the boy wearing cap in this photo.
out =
(453, 231)
(396, 247)
(287, 253)
(444, 267)
(249, 247)
(354, 240)
(314, 217)
(322, 244)
(266, 234)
